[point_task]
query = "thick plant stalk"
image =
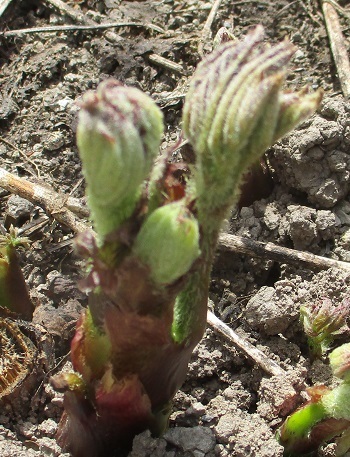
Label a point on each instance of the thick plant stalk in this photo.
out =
(148, 270)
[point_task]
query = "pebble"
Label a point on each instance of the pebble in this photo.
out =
(18, 211)
(196, 440)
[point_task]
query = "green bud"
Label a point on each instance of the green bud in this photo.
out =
(119, 133)
(298, 425)
(14, 294)
(293, 108)
(339, 360)
(323, 321)
(336, 402)
(234, 110)
(168, 242)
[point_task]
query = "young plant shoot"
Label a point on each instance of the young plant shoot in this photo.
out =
(323, 322)
(149, 265)
(325, 416)
(14, 296)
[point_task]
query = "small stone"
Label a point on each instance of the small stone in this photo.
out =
(299, 55)
(62, 286)
(226, 427)
(54, 141)
(49, 447)
(27, 429)
(326, 224)
(191, 439)
(270, 311)
(48, 427)
(272, 217)
(64, 103)
(18, 211)
(197, 409)
(144, 445)
(302, 228)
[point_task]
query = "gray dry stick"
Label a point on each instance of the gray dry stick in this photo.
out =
(59, 206)
(262, 360)
(65, 208)
(338, 46)
(77, 15)
(205, 36)
(73, 28)
(245, 246)
(3, 5)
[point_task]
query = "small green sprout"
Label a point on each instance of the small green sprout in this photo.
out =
(325, 416)
(323, 322)
(14, 296)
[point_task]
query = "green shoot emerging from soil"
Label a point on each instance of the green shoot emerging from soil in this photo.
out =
(14, 296)
(323, 322)
(325, 416)
(150, 263)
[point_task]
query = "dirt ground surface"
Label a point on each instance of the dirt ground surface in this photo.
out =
(228, 406)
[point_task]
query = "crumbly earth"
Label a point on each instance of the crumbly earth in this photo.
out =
(228, 406)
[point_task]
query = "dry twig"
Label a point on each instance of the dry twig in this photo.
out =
(166, 63)
(343, 11)
(20, 152)
(262, 360)
(77, 15)
(57, 205)
(338, 48)
(74, 13)
(240, 245)
(308, 10)
(67, 28)
(207, 26)
(3, 5)
(64, 210)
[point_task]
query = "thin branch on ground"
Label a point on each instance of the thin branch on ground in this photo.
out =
(308, 10)
(73, 28)
(338, 47)
(57, 205)
(285, 8)
(257, 356)
(205, 36)
(74, 13)
(21, 153)
(344, 12)
(245, 246)
(78, 16)
(243, 2)
(166, 63)
(3, 5)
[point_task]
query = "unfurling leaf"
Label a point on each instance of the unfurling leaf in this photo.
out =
(119, 132)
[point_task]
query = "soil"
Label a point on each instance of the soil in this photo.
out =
(228, 406)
